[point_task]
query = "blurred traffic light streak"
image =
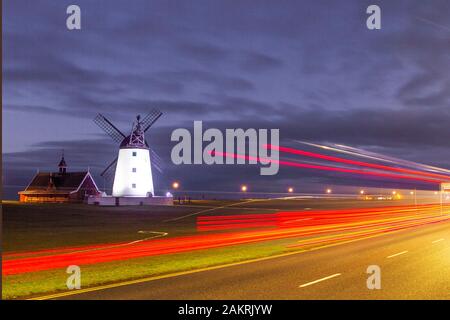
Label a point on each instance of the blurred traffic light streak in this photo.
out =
(353, 223)
(357, 163)
(327, 219)
(326, 168)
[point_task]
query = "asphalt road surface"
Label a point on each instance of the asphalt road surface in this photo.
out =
(415, 264)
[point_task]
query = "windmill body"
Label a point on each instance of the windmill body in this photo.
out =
(133, 176)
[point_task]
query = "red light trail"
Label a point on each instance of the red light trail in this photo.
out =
(355, 223)
(325, 168)
(353, 162)
(302, 218)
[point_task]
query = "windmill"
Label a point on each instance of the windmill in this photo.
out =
(133, 167)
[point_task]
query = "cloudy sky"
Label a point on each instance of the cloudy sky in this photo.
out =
(310, 68)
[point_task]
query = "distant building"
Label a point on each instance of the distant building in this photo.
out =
(61, 186)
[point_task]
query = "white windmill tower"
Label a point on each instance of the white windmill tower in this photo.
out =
(133, 167)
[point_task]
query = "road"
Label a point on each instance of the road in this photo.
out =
(415, 264)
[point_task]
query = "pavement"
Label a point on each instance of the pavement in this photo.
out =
(414, 264)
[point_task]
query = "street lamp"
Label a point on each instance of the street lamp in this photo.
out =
(329, 191)
(362, 192)
(290, 189)
(244, 188)
(175, 185)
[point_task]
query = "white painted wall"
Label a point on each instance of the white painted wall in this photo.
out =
(125, 177)
(130, 201)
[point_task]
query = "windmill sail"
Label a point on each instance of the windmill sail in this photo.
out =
(157, 162)
(150, 119)
(107, 172)
(109, 128)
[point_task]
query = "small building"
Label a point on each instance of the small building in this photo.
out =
(61, 186)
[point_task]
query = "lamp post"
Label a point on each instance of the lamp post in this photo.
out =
(175, 186)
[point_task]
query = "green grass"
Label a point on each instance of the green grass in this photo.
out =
(40, 226)
(51, 281)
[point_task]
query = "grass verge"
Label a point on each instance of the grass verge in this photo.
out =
(52, 281)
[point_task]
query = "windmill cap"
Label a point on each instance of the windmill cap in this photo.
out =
(125, 144)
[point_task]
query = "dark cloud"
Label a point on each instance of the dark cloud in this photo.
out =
(203, 52)
(309, 68)
(218, 82)
(256, 62)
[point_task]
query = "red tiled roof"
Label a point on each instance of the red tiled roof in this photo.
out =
(69, 181)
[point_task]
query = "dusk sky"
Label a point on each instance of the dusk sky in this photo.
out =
(310, 68)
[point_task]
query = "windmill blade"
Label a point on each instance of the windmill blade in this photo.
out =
(150, 119)
(158, 168)
(108, 172)
(109, 128)
(157, 162)
(146, 120)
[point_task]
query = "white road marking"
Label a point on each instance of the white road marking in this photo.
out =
(157, 234)
(439, 240)
(319, 280)
(397, 254)
(211, 209)
(204, 211)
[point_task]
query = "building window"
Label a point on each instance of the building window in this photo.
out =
(133, 185)
(134, 170)
(134, 153)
